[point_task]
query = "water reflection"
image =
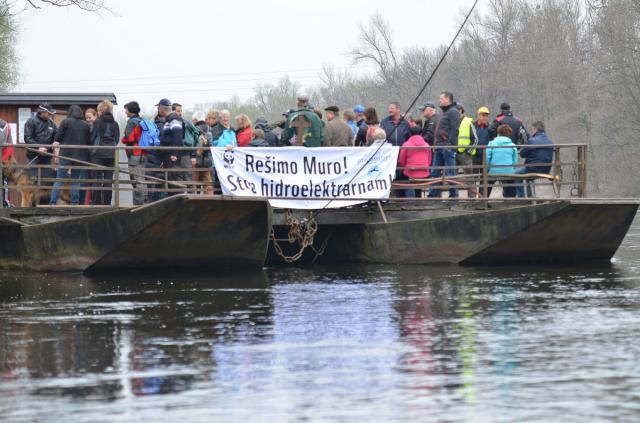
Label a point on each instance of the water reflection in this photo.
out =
(339, 342)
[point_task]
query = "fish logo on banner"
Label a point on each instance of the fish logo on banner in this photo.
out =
(374, 172)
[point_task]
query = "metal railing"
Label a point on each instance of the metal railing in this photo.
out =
(568, 159)
(157, 181)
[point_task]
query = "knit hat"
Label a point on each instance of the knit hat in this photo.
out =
(46, 107)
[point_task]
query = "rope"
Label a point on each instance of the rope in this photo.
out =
(415, 100)
(303, 231)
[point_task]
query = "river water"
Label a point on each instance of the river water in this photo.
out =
(334, 344)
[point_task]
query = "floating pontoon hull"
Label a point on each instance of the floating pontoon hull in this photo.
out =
(178, 232)
(210, 233)
(554, 232)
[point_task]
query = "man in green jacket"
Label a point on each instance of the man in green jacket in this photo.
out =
(303, 128)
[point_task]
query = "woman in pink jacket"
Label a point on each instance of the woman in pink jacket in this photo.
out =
(415, 162)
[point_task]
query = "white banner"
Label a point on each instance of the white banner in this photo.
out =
(292, 177)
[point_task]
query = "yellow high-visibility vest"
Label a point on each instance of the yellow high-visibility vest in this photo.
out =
(464, 135)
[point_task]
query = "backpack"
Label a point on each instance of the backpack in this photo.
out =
(522, 137)
(150, 136)
(191, 135)
(203, 141)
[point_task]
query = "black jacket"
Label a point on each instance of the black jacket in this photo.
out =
(259, 143)
(38, 131)
(429, 129)
(172, 135)
(271, 138)
(74, 131)
(106, 133)
(448, 126)
(361, 135)
(217, 130)
(507, 118)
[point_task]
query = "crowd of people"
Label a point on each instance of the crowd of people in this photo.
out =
(446, 126)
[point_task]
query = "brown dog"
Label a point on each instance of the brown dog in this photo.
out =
(30, 194)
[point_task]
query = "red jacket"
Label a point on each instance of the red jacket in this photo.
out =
(415, 162)
(133, 139)
(244, 136)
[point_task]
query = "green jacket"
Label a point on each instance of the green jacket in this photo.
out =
(312, 133)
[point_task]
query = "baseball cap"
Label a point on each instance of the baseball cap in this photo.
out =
(358, 109)
(164, 102)
(484, 109)
(427, 105)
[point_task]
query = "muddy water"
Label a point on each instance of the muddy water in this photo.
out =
(346, 344)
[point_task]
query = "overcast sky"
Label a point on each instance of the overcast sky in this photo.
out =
(195, 51)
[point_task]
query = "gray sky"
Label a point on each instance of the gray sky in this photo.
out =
(195, 51)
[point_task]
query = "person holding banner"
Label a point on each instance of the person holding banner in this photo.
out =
(222, 134)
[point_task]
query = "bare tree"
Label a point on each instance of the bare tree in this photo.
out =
(376, 47)
(272, 100)
(86, 5)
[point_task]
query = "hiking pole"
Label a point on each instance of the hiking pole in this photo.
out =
(424, 87)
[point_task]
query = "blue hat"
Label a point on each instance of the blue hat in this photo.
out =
(164, 102)
(358, 109)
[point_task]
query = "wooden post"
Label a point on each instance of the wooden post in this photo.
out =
(116, 177)
(384, 216)
(582, 171)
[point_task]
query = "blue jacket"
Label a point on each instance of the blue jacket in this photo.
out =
(538, 155)
(228, 137)
(396, 137)
(507, 157)
(353, 126)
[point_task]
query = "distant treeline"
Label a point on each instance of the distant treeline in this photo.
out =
(574, 64)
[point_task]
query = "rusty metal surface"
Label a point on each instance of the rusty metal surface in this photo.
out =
(581, 232)
(182, 225)
(550, 232)
(435, 240)
(210, 234)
